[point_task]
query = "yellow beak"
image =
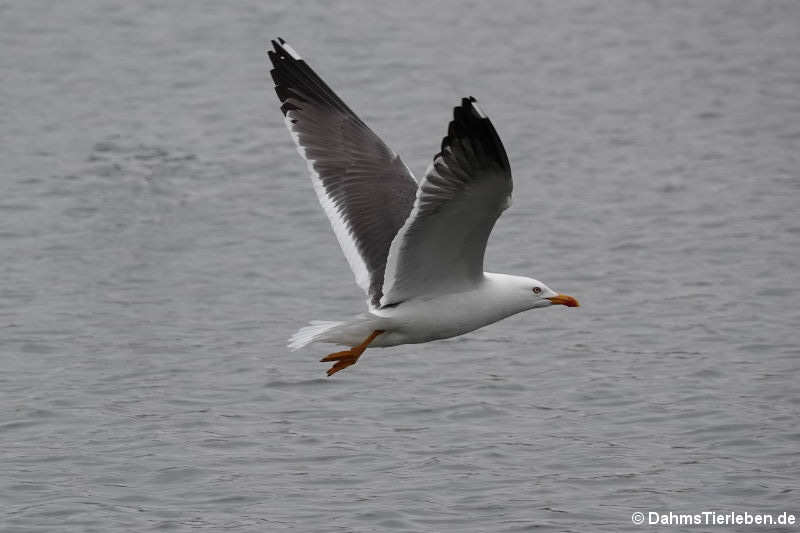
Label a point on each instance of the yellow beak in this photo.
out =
(563, 299)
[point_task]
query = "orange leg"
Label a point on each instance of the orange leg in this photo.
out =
(349, 357)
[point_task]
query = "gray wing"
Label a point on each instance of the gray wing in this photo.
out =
(440, 247)
(363, 186)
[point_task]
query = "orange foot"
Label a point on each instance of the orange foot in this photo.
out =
(349, 357)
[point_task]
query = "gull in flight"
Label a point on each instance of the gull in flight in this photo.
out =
(416, 249)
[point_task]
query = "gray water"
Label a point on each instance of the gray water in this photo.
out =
(160, 240)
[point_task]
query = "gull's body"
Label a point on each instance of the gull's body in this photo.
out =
(416, 249)
(439, 317)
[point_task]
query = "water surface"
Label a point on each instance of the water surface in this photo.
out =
(160, 241)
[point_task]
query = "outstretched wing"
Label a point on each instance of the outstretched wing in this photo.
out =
(363, 186)
(440, 247)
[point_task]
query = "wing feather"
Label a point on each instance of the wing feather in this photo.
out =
(441, 246)
(363, 186)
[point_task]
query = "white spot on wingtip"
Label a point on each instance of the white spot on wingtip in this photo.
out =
(478, 110)
(292, 52)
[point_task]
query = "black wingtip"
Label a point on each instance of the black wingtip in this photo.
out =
(278, 45)
(469, 105)
(471, 122)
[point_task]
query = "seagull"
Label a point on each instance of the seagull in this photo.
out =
(416, 249)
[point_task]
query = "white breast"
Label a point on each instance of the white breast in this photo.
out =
(448, 315)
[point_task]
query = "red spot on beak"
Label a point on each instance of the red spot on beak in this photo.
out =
(563, 299)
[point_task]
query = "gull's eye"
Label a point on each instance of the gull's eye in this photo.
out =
(537, 290)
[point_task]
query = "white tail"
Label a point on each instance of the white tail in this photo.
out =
(311, 333)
